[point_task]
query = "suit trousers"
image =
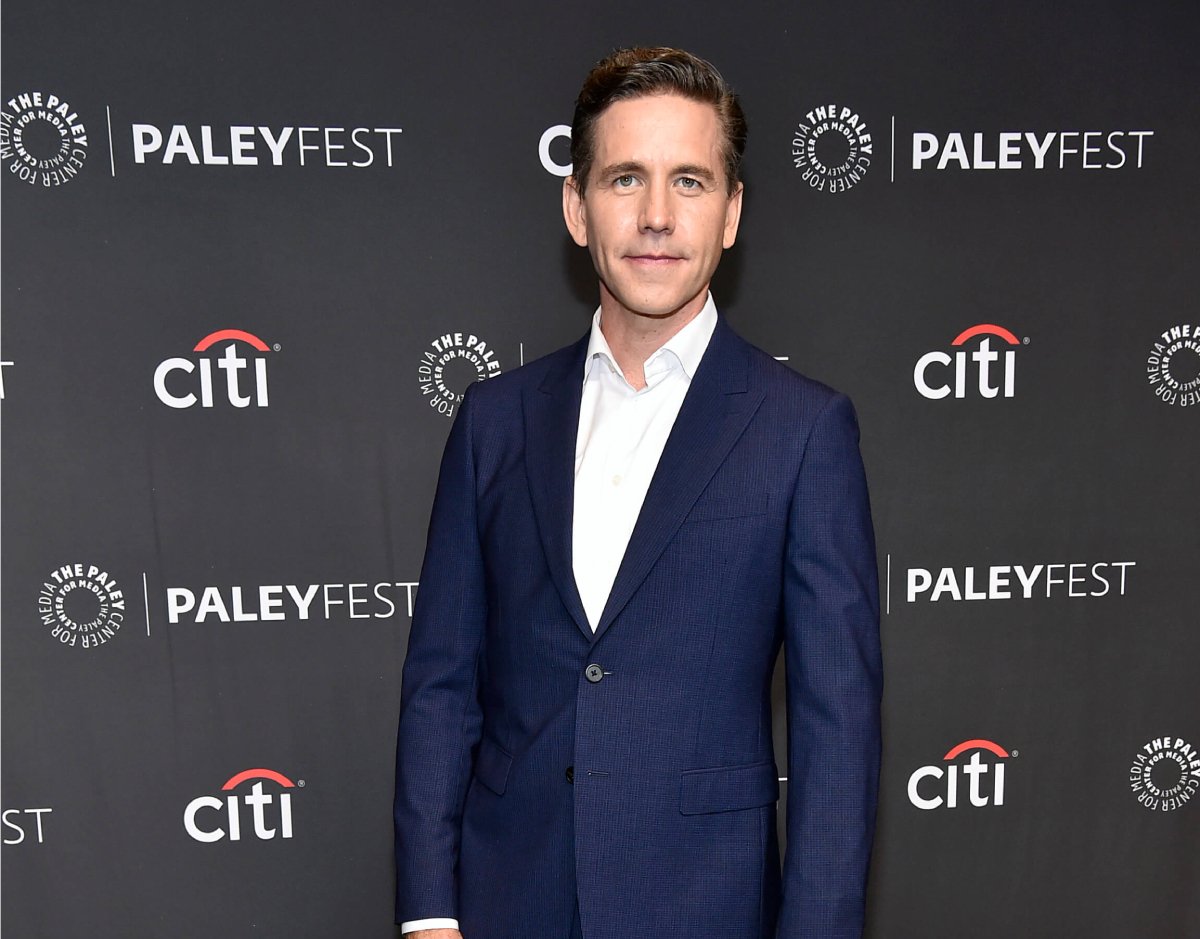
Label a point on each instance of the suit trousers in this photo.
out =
(576, 929)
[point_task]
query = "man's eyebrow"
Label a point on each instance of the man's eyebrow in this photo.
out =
(619, 169)
(693, 169)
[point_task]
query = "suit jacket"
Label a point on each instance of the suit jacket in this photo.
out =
(632, 769)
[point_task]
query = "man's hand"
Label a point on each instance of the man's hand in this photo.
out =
(434, 934)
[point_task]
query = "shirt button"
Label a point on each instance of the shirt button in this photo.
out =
(594, 673)
(571, 775)
(616, 480)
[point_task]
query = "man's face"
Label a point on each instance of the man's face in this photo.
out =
(657, 211)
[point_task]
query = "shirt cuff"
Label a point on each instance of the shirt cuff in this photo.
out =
(414, 924)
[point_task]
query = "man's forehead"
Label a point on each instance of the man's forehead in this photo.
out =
(658, 122)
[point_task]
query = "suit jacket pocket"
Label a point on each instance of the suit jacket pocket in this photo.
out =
(715, 509)
(728, 788)
(492, 764)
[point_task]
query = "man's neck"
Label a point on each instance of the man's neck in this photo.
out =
(634, 337)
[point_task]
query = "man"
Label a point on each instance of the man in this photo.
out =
(624, 534)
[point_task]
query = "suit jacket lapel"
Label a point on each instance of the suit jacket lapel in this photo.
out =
(716, 410)
(551, 425)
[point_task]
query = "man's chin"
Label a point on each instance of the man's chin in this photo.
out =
(656, 314)
(653, 308)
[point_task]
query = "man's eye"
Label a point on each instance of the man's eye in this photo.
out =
(688, 182)
(623, 182)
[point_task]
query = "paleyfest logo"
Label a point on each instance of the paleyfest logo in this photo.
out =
(450, 365)
(290, 602)
(43, 142)
(1165, 773)
(18, 830)
(1066, 579)
(832, 148)
(82, 605)
(237, 145)
(1173, 365)
(1016, 150)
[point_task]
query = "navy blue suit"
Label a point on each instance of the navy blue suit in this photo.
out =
(644, 789)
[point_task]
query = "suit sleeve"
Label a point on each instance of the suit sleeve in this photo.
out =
(440, 717)
(834, 685)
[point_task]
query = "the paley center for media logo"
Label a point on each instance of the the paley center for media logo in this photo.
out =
(451, 363)
(82, 605)
(1173, 365)
(43, 140)
(1165, 774)
(253, 804)
(977, 782)
(832, 148)
(184, 383)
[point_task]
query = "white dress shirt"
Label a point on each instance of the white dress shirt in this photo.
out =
(622, 432)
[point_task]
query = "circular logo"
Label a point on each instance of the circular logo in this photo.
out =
(1173, 365)
(42, 140)
(82, 605)
(1165, 773)
(832, 148)
(453, 362)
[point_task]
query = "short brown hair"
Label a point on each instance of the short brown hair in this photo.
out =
(639, 72)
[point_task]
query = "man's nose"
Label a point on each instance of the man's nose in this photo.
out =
(657, 214)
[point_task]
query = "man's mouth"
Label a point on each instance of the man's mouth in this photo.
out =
(653, 259)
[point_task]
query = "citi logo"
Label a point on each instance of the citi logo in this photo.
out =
(210, 819)
(932, 380)
(944, 791)
(177, 392)
(548, 143)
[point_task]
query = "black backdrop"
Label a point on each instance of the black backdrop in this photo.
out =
(1038, 532)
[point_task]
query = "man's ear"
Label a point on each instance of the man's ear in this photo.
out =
(733, 216)
(574, 212)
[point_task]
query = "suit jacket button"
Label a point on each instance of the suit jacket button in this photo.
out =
(594, 673)
(571, 775)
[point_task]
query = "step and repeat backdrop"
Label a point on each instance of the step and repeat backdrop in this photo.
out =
(254, 253)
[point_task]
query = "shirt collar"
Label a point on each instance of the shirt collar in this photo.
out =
(688, 345)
